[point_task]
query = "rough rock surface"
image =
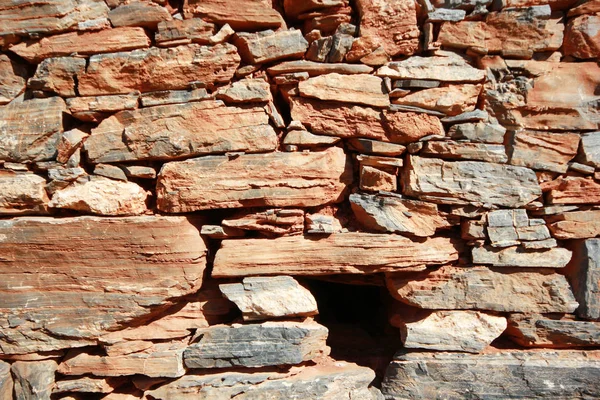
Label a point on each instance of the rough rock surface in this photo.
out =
(255, 48)
(544, 150)
(12, 79)
(538, 331)
(582, 37)
(518, 257)
(33, 380)
(22, 194)
(337, 253)
(261, 298)
(241, 15)
(362, 89)
(274, 179)
(445, 69)
(584, 273)
(575, 225)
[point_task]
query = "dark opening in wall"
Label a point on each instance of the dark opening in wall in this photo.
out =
(357, 319)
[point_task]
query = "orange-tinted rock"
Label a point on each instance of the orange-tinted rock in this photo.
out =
(158, 69)
(447, 68)
(451, 100)
(104, 41)
(575, 225)
(35, 140)
(272, 221)
(525, 30)
(242, 15)
(12, 79)
(96, 108)
(407, 127)
(183, 130)
(494, 153)
(582, 37)
(354, 253)
(22, 194)
(575, 190)
(177, 32)
(361, 89)
(544, 150)
(589, 7)
(141, 263)
(267, 46)
(391, 24)
(559, 333)
(273, 179)
(316, 68)
(138, 13)
(58, 75)
(378, 179)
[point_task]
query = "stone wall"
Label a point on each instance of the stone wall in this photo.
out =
(299, 199)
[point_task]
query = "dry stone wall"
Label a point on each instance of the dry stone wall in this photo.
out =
(299, 199)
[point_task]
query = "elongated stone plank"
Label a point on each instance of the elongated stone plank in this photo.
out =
(495, 375)
(176, 131)
(267, 46)
(177, 32)
(474, 182)
(450, 100)
(314, 68)
(63, 287)
(544, 150)
(256, 345)
(362, 89)
(494, 153)
(575, 225)
(87, 385)
(252, 180)
(355, 253)
(536, 330)
(336, 380)
(242, 15)
(480, 288)
(392, 214)
(104, 41)
(38, 138)
(445, 69)
(158, 69)
(270, 297)
(518, 257)
(22, 194)
(139, 13)
(584, 275)
(270, 222)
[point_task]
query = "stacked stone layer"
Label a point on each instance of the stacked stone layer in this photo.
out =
(178, 179)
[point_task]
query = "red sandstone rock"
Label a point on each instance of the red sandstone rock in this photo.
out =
(158, 69)
(451, 100)
(58, 75)
(582, 37)
(177, 32)
(575, 225)
(354, 253)
(12, 79)
(544, 150)
(574, 190)
(316, 68)
(267, 46)
(138, 13)
(242, 15)
(361, 89)
(272, 221)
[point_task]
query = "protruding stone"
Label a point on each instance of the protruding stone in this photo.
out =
(535, 330)
(506, 374)
(174, 132)
(316, 68)
(392, 214)
(493, 153)
(445, 69)
(275, 179)
(574, 190)
(158, 69)
(406, 127)
(361, 89)
(22, 194)
(544, 150)
(6, 381)
(584, 275)
(374, 179)
(12, 79)
(575, 225)
(481, 132)
(87, 385)
(33, 380)
(519, 257)
(450, 100)
(322, 223)
(263, 298)
(242, 15)
(270, 222)
(139, 13)
(590, 149)
(58, 75)
(308, 140)
(479, 288)
(469, 331)
(582, 37)
(38, 138)
(338, 253)
(267, 46)
(246, 91)
(256, 345)
(369, 146)
(473, 182)
(164, 97)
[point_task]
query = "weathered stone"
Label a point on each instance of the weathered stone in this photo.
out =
(361, 89)
(69, 144)
(474, 182)
(322, 223)
(174, 132)
(575, 225)
(519, 257)
(242, 15)
(319, 49)
(177, 32)
(503, 236)
(335, 380)
(535, 330)
(110, 171)
(58, 75)
(376, 147)
(390, 24)
(476, 115)
(246, 91)
(270, 297)
(158, 360)
(590, 149)
(407, 127)
(293, 9)
(469, 331)
(267, 46)
(584, 275)
(544, 150)
(273, 221)
(138, 13)
(102, 196)
(416, 84)
(494, 375)
(87, 385)
(479, 288)
(164, 97)
(445, 69)
(574, 190)
(307, 139)
(221, 232)
(12, 79)
(450, 100)
(37, 139)
(494, 153)
(442, 14)
(104, 41)
(97, 108)
(256, 345)
(316, 68)
(480, 132)
(22, 194)
(33, 380)
(6, 381)
(526, 30)
(582, 37)
(141, 263)
(158, 69)
(275, 179)
(378, 179)
(392, 214)
(30, 17)
(337, 253)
